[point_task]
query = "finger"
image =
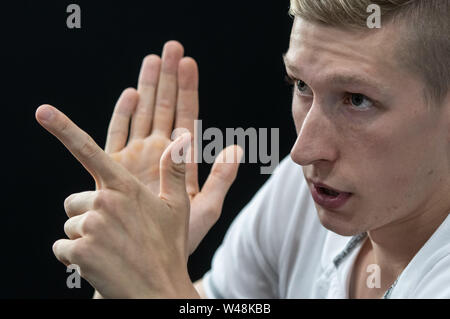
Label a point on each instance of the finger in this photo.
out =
(210, 199)
(147, 84)
(73, 226)
(63, 248)
(79, 203)
(187, 113)
(192, 186)
(223, 173)
(187, 100)
(167, 89)
(80, 144)
(173, 170)
(118, 127)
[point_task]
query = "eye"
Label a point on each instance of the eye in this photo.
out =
(359, 101)
(301, 86)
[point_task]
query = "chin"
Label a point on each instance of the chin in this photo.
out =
(338, 222)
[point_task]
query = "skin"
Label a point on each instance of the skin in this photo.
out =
(393, 155)
(132, 236)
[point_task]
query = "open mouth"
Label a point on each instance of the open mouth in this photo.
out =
(329, 198)
(327, 191)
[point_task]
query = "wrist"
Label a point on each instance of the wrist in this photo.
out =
(177, 286)
(184, 289)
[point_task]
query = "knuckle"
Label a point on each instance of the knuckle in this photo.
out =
(89, 149)
(80, 252)
(101, 199)
(164, 103)
(143, 111)
(91, 223)
(117, 131)
(185, 111)
(178, 170)
(220, 172)
(64, 126)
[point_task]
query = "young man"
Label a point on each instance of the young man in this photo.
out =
(359, 210)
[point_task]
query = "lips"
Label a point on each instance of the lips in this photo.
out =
(328, 197)
(326, 187)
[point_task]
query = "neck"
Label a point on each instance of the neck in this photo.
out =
(393, 246)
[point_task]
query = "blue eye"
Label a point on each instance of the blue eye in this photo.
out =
(301, 86)
(360, 101)
(303, 89)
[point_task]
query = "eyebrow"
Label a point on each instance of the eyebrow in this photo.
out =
(346, 79)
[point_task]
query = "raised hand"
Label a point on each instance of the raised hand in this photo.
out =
(167, 99)
(128, 242)
(147, 212)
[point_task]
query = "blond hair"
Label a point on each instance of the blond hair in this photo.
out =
(426, 46)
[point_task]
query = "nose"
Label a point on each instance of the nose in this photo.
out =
(315, 138)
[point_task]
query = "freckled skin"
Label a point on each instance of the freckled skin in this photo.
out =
(383, 156)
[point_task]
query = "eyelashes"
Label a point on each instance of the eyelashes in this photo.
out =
(348, 99)
(299, 86)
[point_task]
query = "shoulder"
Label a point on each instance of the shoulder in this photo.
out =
(435, 275)
(262, 244)
(435, 284)
(428, 275)
(280, 226)
(283, 202)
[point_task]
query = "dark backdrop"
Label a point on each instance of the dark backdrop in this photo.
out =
(238, 46)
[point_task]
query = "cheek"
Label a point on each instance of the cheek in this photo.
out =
(395, 173)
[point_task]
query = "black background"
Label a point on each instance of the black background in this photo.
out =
(238, 46)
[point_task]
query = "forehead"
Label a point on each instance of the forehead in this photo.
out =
(316, 48)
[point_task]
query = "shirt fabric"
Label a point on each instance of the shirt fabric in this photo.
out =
(277, 248)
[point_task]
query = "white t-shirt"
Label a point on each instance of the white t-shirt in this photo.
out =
(277, 248)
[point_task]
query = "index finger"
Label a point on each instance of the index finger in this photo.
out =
(79, 143)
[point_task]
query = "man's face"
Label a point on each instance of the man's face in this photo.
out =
(364, 128)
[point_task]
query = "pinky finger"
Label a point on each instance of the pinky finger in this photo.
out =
(63, 250)
(60, 249)
(118, 127)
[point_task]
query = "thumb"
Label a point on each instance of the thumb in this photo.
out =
(207, 205)
(172, 169)
(222, 176)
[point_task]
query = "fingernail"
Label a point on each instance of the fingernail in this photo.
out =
(45, 114)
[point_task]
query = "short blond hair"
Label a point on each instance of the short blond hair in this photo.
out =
(426, 49)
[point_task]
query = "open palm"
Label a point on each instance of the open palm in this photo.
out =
(167, 100)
